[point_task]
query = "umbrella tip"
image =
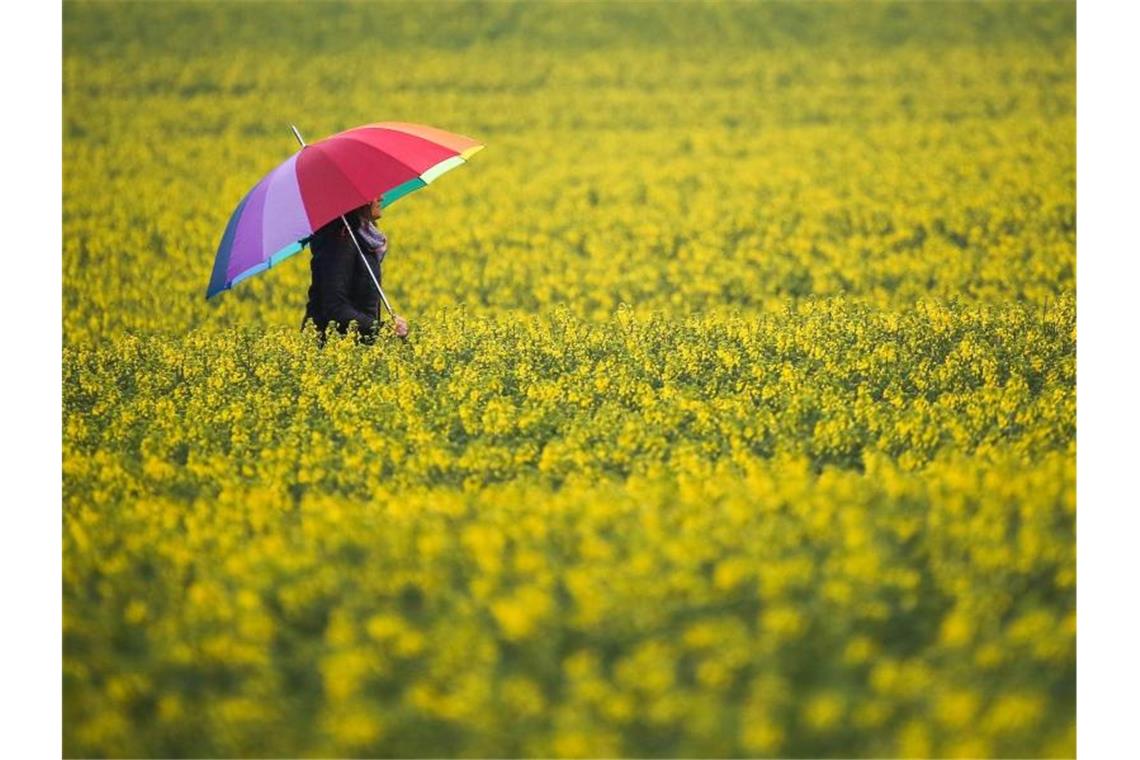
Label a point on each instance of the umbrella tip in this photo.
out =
(297, 135)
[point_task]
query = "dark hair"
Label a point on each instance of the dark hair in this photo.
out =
(336, 227)
(358, 215)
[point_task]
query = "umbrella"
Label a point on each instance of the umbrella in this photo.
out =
(323, 181)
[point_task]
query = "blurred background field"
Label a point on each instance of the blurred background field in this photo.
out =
(814, 149)
(738, 415)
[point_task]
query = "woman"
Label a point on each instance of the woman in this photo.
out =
(342, 290)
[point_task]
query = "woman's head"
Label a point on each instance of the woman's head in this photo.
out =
(368, 212)
(356, 217)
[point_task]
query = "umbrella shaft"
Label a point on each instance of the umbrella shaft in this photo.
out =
(371, 274)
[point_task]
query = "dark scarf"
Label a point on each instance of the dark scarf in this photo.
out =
(372, 239)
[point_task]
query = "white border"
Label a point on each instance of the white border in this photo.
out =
(1108, 340)
(1108, 496)
(31, 310)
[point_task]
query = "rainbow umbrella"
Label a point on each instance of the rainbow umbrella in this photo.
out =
(324, 180)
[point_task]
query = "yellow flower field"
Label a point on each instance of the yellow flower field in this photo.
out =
(737, 417)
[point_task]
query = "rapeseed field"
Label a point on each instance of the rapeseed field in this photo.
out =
(737, 416)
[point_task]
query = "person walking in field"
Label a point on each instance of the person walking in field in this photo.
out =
(342, 290)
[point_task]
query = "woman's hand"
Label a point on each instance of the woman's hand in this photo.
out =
(400, 325)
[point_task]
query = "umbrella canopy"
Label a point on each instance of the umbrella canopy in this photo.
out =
(324, 180)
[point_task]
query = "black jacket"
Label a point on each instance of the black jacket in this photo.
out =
(342, 291)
